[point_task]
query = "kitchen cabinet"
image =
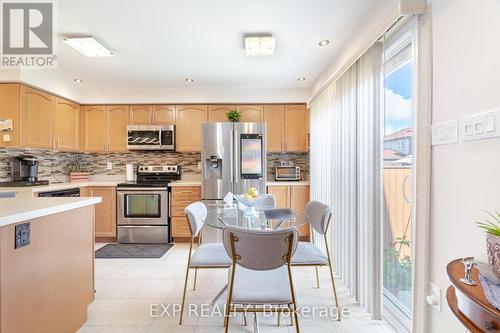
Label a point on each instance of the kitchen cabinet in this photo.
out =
(294, 197)
(274, 117)
(286, 127)
(152, 114)
(94, 128)
(10, 97)
(36, 118)
(66, 125)
(105, 212)
(249, 113)
(105, 128)
(182, 196)
(188, 120)
(116, 127)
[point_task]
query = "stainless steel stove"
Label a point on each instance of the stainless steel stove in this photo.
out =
(143, 205)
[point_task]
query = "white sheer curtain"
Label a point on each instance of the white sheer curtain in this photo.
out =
(344, 172)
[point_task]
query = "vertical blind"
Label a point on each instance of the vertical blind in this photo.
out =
(345, 173)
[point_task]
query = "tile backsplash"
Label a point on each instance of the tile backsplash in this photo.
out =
(54, 165)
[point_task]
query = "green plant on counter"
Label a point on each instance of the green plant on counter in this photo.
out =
(234, 115)
(491, 223)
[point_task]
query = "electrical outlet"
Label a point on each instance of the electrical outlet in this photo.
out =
(109, 166)
(22, 233)
(434, 297)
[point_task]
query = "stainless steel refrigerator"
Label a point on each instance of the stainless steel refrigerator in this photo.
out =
(233, 158)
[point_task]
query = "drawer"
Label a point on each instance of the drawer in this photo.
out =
(178, 210)
(184, 192)
(180, 227)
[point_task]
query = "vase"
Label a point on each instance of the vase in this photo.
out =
(493, 249)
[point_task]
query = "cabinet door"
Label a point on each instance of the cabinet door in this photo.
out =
(105, 212)
(217, 113)
(163, 114)
(141, 114)
(295, 128)
(299, 197)
(180, 227)
(282, 194)
(94, 128)
(188, 120)
(66, 125)
(36, 118)
(251, 113)
(274, 117)
(116, 125)
(10, 97)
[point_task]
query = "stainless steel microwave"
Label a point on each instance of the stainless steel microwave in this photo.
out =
(151, 137)
(287, 173)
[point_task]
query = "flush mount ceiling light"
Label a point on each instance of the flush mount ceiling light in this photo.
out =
(78, 80)
(189, 80)
(260, 45)
(301, 78)
(324, 42)
(88, 46)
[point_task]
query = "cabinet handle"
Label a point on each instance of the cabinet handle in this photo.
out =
(186, 191)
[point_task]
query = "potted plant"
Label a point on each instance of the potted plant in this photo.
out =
(234, 115)
(491, 224)
(78, 172)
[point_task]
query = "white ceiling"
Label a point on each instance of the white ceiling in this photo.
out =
(159, 43)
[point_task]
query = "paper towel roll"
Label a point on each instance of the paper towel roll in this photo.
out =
(130, 172)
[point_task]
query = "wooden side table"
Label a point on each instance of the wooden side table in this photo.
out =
(468, 303)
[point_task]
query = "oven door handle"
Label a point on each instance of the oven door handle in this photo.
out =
(137, 190)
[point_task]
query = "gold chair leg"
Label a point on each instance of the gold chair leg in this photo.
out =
(184, 295)
(333, 280)
(244, 318)
(195, 275)
(317, 277)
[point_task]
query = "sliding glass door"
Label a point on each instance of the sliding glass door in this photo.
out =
(397, 174)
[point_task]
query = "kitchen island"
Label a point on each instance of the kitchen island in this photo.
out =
(46, 263)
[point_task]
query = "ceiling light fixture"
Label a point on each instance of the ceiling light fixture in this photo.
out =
(78, 80)
(301, 78)
(88, 46)
(260, 45)
(189, 80)
(324, 42)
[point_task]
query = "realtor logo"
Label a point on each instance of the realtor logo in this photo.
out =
(28, 34)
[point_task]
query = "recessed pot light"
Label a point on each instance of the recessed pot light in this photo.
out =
(78, 80)
(189, 80)
(324, 42)
(301, 78)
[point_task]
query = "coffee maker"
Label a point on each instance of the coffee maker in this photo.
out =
(25, 172)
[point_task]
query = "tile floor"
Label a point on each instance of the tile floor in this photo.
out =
(126, 288)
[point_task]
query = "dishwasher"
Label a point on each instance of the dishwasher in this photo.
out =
(71, 192)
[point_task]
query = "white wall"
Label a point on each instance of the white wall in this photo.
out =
(465, 177)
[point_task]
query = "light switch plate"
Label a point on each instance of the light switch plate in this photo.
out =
(445, 133)
(479, 126)
(109, 166)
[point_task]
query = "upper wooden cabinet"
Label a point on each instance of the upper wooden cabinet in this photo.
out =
(188, 120)
(274, 117)
(9, 109)
(116, 127)
(36, 118)
(295, 128)
(251, 113)
(217, 113)
(152, 114)
(94, 128)
(286, 127)
(66, 125)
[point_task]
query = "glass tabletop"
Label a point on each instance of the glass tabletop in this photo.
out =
(261, 218)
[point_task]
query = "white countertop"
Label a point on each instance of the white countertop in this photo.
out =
(26, 207)
(62, 186)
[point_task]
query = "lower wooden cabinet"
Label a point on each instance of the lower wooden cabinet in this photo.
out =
(182, 196)
(105, 212)
(294, 197)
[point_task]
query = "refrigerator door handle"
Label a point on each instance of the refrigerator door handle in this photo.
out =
(231, 149)
(237, 157)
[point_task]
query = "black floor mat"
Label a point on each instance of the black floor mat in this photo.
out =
(113, 251)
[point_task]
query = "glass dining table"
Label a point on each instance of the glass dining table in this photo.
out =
(262, 218)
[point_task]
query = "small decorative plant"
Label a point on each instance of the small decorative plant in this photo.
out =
(491, 224)
(78, 171)
(233, 115)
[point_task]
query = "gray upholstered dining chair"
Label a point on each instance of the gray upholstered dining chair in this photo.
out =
(261, 271)
(319, 216)
(206, 256)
